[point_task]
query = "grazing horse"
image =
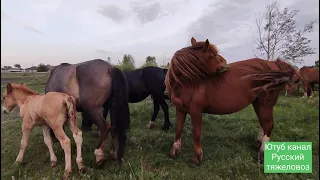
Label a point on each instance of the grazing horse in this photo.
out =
(49, 110)
(96, 85)
(196, 86)
(142, 83)
(290, 88)
(309, 76)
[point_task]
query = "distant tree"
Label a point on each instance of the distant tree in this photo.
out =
(127, 63)
(316, 63)
(17, 66)
(150, 61)
(7, 67)
(42, 68)
(277, 35)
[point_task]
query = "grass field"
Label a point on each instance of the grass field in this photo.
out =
(227, 143)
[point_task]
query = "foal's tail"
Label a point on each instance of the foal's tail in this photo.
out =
(70, 102)
(119, 110)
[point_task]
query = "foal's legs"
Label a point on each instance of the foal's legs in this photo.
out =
(77, 135)
(265, 116)
(66, 146)
(156, 108)
(176, 147)
(26, 129)
(48, 141)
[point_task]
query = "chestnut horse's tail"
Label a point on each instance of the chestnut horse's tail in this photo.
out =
(70, 102)
(119, 110)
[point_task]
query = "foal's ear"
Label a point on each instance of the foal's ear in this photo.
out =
(9, 88)
(193, 41)
(206, 46)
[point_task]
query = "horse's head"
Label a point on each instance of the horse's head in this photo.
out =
(209, 54)
(9, 101)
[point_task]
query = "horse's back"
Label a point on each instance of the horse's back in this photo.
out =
(63, 79)
(88, 81)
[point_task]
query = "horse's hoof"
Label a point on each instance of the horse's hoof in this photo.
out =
(193, 165)
(65, 176)
(260, 157)
(53, 164)
(195, 162)
(83, 170)
(257, 145)
(17, 163)
(151, 125)
(100, 163)
(113, 155)
(173, 154)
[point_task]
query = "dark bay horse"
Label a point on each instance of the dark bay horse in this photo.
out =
(309, 76)
(196, 85)
(96, 85)
(142, 83)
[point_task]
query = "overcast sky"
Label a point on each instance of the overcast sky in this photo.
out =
(56, 31)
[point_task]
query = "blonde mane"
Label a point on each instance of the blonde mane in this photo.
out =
(188, 67)
(25, 89)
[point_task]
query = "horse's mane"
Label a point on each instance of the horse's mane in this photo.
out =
(305, 67)
(187, 66)
(24, 89)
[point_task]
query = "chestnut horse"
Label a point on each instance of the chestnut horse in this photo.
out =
(49, 110)
(96, 85)
(196, 85)
(309, 76)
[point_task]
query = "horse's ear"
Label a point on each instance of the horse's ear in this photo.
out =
(206, 45)
(193, 41)
(9, 88)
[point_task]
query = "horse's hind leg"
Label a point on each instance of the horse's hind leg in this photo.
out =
(156, 108)
(265, 116)
(97, 117)
(165, 108)
(86, 121)
(77, 135)
(66, 146)
(48, 141)
(176, 147)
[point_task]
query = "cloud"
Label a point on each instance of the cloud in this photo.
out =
(112, 12)
(74, 31)
(147, 12)
(22, 24)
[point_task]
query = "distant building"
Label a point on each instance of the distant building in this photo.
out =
(31, 69)
(12, 70)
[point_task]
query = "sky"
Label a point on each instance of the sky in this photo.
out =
(73, 31)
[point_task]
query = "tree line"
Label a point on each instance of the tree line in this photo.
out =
(128, 63)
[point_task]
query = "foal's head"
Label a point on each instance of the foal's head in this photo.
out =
(9, 101)
(13, 94)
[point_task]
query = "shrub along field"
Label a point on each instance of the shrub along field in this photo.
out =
(227, 143)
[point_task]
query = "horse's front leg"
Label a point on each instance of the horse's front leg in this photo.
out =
(26, 129)
(176, 147)
(196, 116)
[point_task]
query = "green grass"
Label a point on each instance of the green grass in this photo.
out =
(227, 143)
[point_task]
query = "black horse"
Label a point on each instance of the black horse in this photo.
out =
(142, 83)
(95, 85)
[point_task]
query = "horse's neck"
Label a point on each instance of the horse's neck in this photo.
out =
(21, 97)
